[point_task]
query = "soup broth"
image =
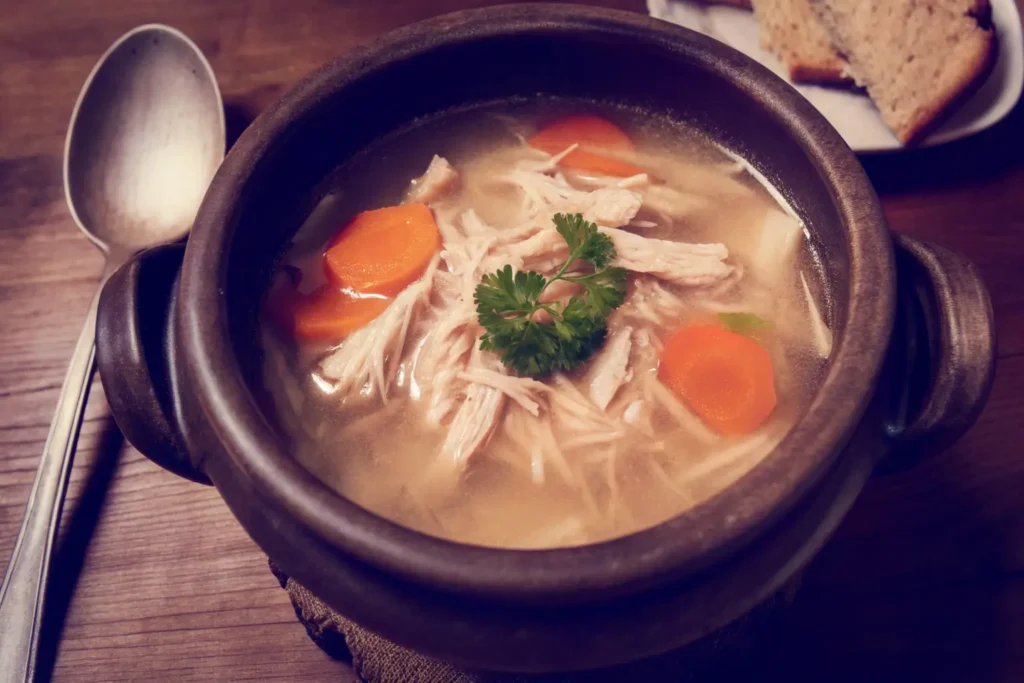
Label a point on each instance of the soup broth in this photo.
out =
(388, 397)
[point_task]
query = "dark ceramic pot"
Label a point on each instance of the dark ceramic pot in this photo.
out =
(179, 357)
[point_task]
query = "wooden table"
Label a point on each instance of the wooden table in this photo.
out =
(155, 581)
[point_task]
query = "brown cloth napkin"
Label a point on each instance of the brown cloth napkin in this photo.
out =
(734, 653)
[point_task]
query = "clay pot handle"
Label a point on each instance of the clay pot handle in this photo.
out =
(134, 354)
(944, 349)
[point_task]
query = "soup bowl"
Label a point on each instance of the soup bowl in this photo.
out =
(181, 362)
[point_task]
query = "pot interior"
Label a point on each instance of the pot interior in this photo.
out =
(290, 152)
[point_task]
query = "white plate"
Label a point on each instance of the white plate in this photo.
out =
(853, 114)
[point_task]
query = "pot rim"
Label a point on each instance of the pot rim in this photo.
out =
(679, 546)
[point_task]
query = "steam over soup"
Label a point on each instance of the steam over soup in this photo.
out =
(531, 327)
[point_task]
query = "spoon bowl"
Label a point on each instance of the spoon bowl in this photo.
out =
(145, 139)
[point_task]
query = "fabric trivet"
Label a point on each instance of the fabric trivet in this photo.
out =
(731, 654)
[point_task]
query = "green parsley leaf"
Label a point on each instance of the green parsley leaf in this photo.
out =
(584, 240)
(605, 289)
(510, 293)
(747, 324)
(507, 301)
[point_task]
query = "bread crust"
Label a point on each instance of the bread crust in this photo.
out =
(791, 30)
(961, 77)
(819, 73)
(975, 73)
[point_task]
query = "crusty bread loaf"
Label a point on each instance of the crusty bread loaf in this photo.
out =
(793, 32)
(915, 57)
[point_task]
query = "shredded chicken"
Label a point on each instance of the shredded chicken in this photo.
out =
(474, 226)
(677, 262)
(611, 207)
(439, 179)
(662, 199)
(658, 394)
(536, 438)
(472, 426)
(368, 360)
(449, 340)
(631, 415)
(650, 303)
(444, 216)
(523, 390)
(577, 417)
(543, 247)
(485, 391)
(445, 353)
(610, 369)
(592, 182)
(545, 195)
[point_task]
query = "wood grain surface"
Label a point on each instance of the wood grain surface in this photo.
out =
(155, 581)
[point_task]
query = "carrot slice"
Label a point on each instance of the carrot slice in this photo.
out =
(592, 134)
(383, 251)
(328, 314)
(724, 377)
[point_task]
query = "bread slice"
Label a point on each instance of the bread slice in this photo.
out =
(917, 58)
(793, 32)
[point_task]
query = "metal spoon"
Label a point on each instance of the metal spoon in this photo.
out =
(146, 136)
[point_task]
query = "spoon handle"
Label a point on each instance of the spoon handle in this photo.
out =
(22, 595)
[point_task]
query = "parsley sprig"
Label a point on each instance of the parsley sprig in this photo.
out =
(507, 301)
